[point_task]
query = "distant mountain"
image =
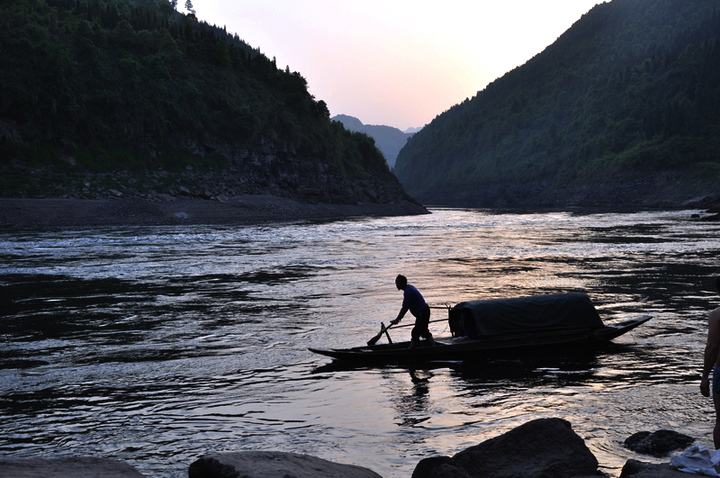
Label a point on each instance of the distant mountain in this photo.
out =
(131, 96)
(622, 110)
(388, 139)
(412, 130)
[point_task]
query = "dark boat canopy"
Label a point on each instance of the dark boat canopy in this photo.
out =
(501, 316)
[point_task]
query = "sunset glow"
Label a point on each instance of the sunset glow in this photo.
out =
(397, 63)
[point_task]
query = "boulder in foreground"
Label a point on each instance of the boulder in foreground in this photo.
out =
(262, 464)
(639, 469)
(543, 448)
(67, 467)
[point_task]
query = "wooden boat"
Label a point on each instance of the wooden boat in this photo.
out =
(483, 328)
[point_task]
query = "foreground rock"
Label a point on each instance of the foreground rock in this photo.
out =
(543, 448)
(264, 464)
(639, 469)
(659, 443)
(546, 447)
(75, 467)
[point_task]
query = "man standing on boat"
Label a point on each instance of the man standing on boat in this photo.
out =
(415, 303)
(712, 363)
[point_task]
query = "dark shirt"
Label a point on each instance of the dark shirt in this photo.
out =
(413, 300)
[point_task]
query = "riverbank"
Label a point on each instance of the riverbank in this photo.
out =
(130, 211)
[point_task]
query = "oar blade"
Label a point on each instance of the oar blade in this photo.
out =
(374, 340)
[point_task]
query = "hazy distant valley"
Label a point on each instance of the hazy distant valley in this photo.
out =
(388, 139)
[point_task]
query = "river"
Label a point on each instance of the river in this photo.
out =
(157, 345)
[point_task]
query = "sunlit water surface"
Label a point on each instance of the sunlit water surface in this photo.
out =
(157, 345)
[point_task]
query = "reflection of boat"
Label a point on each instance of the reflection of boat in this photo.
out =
(513, 326)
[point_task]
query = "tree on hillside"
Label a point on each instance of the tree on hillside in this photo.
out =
(132, 85)
(189, 6)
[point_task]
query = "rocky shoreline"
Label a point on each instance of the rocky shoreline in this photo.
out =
(541, 448)
(250, 185)
(219, 210)
(48, 213)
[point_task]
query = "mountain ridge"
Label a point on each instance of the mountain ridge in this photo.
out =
(626, 98)
(132, 96)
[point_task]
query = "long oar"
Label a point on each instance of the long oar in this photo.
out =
(384, 330)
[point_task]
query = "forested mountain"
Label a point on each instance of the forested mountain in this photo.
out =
(90, 88)
(623, 109)
(388, 139)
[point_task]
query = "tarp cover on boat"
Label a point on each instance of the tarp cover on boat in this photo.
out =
(499, 316)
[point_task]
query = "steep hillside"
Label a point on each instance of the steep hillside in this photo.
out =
(132, 96)
(388, 139)
(622, 110)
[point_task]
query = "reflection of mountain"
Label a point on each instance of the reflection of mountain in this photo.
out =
(388, 139)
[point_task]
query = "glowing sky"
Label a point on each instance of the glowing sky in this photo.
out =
(395, 62)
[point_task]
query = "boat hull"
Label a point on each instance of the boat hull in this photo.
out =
(467, 349)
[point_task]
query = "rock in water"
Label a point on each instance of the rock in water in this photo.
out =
(543, 448)
(263, 464)
(658, 443)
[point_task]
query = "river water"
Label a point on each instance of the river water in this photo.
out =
(157, 345)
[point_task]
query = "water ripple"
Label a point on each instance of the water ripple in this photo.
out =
(156, 345)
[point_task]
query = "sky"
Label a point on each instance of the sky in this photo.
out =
(395, 62)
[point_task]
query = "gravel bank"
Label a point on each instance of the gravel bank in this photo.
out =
(244, 209)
